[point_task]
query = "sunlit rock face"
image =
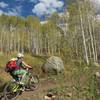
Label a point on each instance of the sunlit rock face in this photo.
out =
(53, 65)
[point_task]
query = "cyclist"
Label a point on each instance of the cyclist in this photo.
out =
(20, 70)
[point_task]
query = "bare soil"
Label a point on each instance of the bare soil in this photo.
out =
(40, 92)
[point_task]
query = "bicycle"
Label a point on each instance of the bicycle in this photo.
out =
(12, 89)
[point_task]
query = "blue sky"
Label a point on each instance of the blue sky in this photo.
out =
(40, 8)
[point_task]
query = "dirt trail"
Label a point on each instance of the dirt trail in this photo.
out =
(40, 92)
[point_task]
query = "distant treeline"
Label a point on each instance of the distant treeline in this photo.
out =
(75, 34)
(29, 35)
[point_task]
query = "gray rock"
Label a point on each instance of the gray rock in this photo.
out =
(53, 65)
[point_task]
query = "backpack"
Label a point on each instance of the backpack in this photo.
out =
(11, 66)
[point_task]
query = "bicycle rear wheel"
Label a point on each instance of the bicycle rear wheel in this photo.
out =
(10, 91)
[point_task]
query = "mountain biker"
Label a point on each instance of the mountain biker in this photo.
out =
(20, 71)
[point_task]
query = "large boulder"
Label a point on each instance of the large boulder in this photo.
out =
(53, 65)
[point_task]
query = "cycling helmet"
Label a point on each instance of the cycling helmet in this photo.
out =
(20, 55)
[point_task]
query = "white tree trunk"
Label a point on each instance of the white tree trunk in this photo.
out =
(83, 35)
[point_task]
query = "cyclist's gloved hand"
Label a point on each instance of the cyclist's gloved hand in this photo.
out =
(30, 67)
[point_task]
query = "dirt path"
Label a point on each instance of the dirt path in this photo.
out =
(40, 92)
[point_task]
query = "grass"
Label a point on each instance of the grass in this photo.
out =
(32, 61)
(80, 83)
(77, 82)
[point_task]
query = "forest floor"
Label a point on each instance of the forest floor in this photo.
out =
(40, 93)
(77, 83)
(45, 85)
(64, 88)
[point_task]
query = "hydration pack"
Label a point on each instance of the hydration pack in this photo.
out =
(11, 65)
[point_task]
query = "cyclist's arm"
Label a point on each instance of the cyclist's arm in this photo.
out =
(26, 65)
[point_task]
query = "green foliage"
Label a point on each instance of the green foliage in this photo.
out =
(33, 61)
(54, 18)
(59, 92)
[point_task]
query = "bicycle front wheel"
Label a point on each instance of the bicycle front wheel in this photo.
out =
(11, 91)
(34, 82)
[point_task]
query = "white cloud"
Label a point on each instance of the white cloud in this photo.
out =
(15, 11)
(18, 9)
(12, 13)
(57, 4)
(51, 10)
(47, 7)
(3, 5)
(52, 3)
(39, 9)
(1, 12)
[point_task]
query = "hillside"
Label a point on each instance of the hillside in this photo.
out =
(75, 83)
